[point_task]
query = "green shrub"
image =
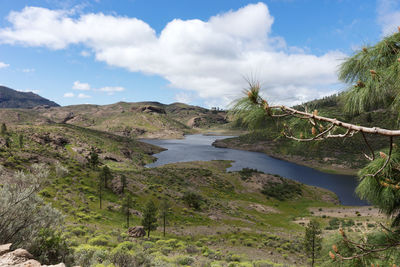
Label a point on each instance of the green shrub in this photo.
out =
(184, 260)
(246, 173)
(121, 256)
(282, 190)
(50, 247)
(83, 255)
(101, 240)
(193, 200)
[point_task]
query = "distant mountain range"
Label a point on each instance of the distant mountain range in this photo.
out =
(10, 98)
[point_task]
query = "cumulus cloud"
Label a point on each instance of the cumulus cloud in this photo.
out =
(28, 70)
(111, 89)
(207, 58)
(86, 87)
(388, 16)
(81, 86)
(3, 65)
(183, 97)
(69, 95)
(85, 53)
(81, 95)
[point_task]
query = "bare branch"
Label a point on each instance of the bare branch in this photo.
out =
(350, 126)
(369, 146)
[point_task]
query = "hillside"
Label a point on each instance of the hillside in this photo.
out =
(142, 119)
(10, 98)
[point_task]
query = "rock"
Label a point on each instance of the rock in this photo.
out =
(47, 138)
(19, 258)
(69, 117)
(149, 109)
(22, 253)
(5, 248)
(136, 231)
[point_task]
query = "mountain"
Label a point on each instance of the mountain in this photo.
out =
(10, 98)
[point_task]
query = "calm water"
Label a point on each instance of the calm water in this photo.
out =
(198, 147)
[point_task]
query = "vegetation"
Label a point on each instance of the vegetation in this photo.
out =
(149, 220)
(313, 241)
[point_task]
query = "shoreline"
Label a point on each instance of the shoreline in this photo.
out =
(264, 148)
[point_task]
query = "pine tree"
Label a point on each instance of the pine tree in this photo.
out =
(165, 210)
(313, 240)
(8, 142)
(106, 173)
(100, 187)
(3, 129)
(127, 204)
(93, 159)
(123, 183)
(149, 220)
(21, 141)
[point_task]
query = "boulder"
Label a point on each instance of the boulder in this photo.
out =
(5, 248)
(19, 258)
(136, 231)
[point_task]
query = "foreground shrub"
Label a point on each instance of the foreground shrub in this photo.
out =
(24, 215)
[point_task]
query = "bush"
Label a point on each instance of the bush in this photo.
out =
(193, 200)
(184, 260)
(246, 173)
(282, 190)
(101, 240)
(24, 214)
(84, 255)
(50, 247)
(122, 257)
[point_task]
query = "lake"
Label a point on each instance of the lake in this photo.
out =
(199, 148)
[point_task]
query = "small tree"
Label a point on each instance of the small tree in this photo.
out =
(106, 173)
(127, 204)
(3, 129)
(123, 183)
(21, 141)
(100, 187)
(8, 142)
(165, 210)
(313, 240)
(149, 220)
(93, 159)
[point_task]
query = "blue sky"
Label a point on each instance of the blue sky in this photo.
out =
(197, 52)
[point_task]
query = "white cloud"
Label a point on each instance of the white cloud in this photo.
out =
(29, 91)
(86, 87)
(388, 16)
(183, 97)
(111, 89)
(81, 86)
(83, 96)
(85, 53)
(28, 70)
(208, 58)
(69, 95)
(3, 65)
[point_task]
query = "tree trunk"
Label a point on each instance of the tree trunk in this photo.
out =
(127, 218)
(312, 251)
(164, 223)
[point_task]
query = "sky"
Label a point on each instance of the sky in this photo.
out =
(195, 52)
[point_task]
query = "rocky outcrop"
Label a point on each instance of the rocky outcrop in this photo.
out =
(19, 258)
(136, 231)
(149, 109)
(47, 138)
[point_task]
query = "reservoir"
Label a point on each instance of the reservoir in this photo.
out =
(199, 148)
